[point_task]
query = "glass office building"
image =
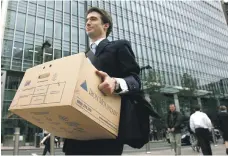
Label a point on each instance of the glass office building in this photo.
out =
(173, 37)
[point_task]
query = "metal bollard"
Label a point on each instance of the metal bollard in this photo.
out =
(213, 137)
(16, 141)
(52, 143)
(148, 148)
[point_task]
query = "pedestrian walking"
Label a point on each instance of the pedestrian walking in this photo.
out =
(174, 121)
(155, 134)
(46, 142)
(57, 142)
(223, 125)
(151, 135)
(201, 125)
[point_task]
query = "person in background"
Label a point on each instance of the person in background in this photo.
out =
(223, 125)
(57, 142)
(46, 142)
(174, 121)
(155, 134)
(201, 125)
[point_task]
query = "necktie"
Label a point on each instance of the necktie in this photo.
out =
(93, 47)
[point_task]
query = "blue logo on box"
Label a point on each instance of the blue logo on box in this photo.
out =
(84, 86)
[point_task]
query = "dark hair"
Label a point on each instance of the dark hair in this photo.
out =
(105, 17)
(196, 108)
(172, 104)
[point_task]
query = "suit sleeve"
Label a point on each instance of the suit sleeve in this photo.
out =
(129, 67)
(179, 120)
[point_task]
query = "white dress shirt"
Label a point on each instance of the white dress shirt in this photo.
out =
(122, 83)
(200, 120)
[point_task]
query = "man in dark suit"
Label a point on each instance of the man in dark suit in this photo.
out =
(174, 121)
(223, 125)
(119, 72)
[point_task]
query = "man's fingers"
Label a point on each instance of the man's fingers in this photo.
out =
(101, 74)
(105, 88)
(103, 85)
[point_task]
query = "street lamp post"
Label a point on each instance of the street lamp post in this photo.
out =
(141, 69)
(45, 45)
(141, 75)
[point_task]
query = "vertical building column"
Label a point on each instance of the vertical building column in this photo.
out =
(218, 101)
(4, 8)
(3, 82)
(199, 102)
(176, 102)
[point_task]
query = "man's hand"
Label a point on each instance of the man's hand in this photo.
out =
(172, 129)
(108, 84)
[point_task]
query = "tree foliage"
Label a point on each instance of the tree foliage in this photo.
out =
(189, 84)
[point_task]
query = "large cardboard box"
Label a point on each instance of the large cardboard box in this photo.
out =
(62, 97)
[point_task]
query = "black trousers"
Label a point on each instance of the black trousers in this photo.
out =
(203, 136)
(92, 147)
(46, 148)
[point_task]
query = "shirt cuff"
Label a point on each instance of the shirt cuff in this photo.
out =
(122, 86)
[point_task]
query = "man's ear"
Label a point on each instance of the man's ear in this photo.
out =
(106, 25)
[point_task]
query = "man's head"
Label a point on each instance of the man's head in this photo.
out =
(196, 108)
(172, 107)
(98, 23)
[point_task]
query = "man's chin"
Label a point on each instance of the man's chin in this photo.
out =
(90, 34)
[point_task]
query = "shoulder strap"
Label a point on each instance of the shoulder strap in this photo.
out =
(91, 56)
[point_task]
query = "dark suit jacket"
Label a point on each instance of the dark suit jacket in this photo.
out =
(117, 59)
(176, 122)
(223, 123)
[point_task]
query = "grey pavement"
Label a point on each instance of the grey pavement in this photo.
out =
(159, 148)
(186, 150)
(31, 150)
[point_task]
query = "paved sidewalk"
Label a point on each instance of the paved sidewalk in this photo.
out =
(185, 150)
(7, 148)
(61, 145)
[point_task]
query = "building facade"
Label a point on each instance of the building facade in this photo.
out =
(181, 42)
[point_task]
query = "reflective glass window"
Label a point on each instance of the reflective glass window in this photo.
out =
(20, 21)
(75, 34)
(58, 30)
(30, 24)
(40, 26)
(67, 6)
(66, 32)
(11, 18)
(49, 28)
(7, 48)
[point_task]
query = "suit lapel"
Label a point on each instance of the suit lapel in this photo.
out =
(101, 46)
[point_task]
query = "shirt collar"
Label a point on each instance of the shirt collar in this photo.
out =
(97, 41)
